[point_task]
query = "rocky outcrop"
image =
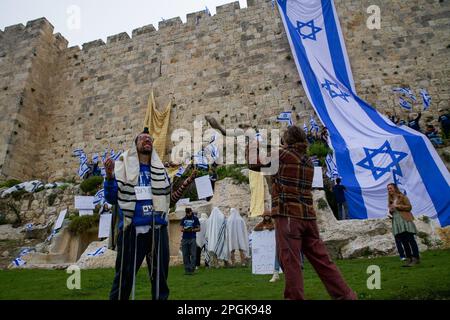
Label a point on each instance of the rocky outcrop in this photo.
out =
(361, 238)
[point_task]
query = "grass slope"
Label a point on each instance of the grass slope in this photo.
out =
(429, 280)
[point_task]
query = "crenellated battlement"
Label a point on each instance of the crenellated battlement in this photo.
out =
(33, 28)
(228, 8)
(170, 23)
(197, 19)
(93, 44)
(143, 30)
(123, 36)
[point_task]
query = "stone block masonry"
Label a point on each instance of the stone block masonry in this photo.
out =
(235, 65)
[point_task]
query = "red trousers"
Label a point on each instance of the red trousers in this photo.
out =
(295, 235)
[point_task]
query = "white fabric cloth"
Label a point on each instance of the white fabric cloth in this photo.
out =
(127, 172)
(237, 234)
(201, 235)
(216, 234)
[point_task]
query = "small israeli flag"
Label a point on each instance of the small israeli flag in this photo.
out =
(105, 155)
(425, 98)
(84, 168)
(97, 252)
(285, 116)
(200, 160)
(115, 156)
(207, 11)
(305, 128)
(99, 197)
(95, 158)
(332, 171)
(77, 152)
(407, 92)
(180, 171)
(404, 104)
(214, 151)
(18, 262)
(314, 125)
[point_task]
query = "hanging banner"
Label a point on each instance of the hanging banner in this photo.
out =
(370, 150)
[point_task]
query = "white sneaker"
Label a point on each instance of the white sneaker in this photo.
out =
(275, 277)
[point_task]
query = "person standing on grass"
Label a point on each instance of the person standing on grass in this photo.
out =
(339, 194)
(190, 225)
(296, 227)
(140, 187)
(403, 226)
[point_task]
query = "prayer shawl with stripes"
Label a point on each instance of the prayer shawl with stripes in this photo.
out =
(127, 176)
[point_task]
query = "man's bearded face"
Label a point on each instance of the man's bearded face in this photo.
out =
(144, 143)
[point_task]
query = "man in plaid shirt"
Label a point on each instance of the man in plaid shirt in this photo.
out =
(295, 220)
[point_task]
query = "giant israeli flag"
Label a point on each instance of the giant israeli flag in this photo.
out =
(370, 150)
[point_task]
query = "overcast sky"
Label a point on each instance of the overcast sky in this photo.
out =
(81, 21)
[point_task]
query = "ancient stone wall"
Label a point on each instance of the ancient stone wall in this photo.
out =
(235, 65)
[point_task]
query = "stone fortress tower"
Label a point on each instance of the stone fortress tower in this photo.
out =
(235, 65)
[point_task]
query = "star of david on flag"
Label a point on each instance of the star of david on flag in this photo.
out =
(379, 171)
(310, 24)
(334, 94)
(285, 116)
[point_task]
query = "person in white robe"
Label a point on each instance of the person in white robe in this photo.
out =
(216, 237)
(201, 241)
(237, 236)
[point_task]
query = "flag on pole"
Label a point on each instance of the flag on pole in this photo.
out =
(407, 92)
(286, 117)
(83, 168)
(366, 145)
(99, 197)
(105, 155)
(200, 160)
(332, 171)
(180, 171)
(314, 125)
(404, 104)
(425, 98)
(95, 158)
(305, 128)
(98, 252)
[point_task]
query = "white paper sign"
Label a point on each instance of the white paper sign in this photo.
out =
(143, 193)
(204, 187)
(84, 202)
(318, 178)
(183, 202)
(104, 225)
(60, 219)
(84, 212)
(263, 252)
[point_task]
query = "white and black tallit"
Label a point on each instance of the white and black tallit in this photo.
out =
(127, 176)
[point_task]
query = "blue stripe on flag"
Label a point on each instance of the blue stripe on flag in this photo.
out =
(335, 44)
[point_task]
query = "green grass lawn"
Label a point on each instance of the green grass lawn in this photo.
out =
(429, 280)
